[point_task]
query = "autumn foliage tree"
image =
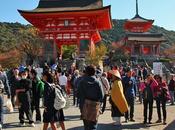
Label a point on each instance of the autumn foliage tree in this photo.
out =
(30, 44)
(94, 57)
(170, 51)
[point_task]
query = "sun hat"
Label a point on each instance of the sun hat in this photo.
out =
(115, 73)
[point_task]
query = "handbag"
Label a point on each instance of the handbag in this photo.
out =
(91, 110)
(9, 105)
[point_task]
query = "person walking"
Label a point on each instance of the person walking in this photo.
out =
(148, 100)
(161, 95)
(63, 81)
(128, 85)
(14, 82)
(106, 88)
(171, 87)
(74, 86)
(24, 96)
(91, 95)
(118, 102)
(3, 86)
(50, 115)
(37, 93)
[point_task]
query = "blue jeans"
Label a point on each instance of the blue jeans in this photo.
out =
(89, 125)
(1, 109)
(130, 114)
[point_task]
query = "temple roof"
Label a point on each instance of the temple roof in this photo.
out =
(65, 5)
(138, 18)
(69, 3)
(147, 34)
(145, 37)
(138, 23)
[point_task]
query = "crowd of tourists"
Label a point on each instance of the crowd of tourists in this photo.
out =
(91, 88)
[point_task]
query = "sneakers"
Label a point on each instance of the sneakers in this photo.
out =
(38, 122)
(22, 124)
(32, 125)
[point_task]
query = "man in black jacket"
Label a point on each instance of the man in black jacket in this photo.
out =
(23, 92)
(90, 90)
(148, 100)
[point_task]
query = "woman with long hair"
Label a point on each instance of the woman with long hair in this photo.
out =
(161, 95)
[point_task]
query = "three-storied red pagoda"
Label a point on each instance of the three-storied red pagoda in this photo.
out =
(139, 41)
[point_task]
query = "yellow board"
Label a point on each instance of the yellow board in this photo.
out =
(118, 97)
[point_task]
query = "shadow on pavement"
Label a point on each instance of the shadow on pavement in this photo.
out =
(134, 126)
(77, 128)
(100, 127)
(108, 127)
(12, 125)
(72, 118)
(170, 126)
(112, 127)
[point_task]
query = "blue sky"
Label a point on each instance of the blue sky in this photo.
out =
(162, 11)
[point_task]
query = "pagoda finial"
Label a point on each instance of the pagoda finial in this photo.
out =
(137, 10)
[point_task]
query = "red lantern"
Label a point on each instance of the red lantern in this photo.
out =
(146, 50)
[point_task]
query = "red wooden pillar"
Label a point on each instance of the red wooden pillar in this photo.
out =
(142, 49)
(78, 43)
(132, 49)
(158, 49)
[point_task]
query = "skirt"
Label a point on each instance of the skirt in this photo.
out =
(51, 115)
(61, 117)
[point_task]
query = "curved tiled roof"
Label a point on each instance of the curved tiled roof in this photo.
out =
(138, 18)
(69, 3)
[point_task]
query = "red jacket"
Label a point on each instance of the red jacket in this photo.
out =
(161, 89)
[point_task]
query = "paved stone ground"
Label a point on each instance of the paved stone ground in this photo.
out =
(73, 121)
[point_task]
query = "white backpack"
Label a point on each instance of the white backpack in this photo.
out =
(1, 86)
(59, 101)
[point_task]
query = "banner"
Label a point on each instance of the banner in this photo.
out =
(157, 68)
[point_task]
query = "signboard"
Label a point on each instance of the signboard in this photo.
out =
(157, 68)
